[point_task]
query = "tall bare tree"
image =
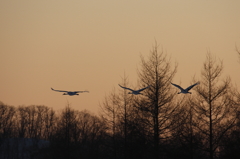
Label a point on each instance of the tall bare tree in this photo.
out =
(125, 113)
(213, 104)
(157, 72)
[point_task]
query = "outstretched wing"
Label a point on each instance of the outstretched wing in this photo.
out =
(125, 88)
(143, 89)
(177, 86)
(58, 90)
(81, 91)
(190, 87)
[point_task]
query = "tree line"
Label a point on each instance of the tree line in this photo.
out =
(158, 124)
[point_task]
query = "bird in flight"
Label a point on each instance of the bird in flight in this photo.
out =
(185, 91)
(135, 92)
(70, 93)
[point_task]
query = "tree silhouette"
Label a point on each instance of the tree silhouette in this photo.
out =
(213, 105)
(110, 109)
(156, 71)
(7, 114)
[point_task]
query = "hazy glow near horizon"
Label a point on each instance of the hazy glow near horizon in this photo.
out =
(85, 45)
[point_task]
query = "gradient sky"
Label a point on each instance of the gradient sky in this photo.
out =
(88, 45)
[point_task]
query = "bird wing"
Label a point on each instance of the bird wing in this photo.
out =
(59, 90)
(143, 89)
(125, 88)
(177, 86)
(190, 87)
(81, 91)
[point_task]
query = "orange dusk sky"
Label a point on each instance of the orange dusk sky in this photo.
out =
(88, 45)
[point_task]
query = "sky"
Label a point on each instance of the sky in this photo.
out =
(89, 45)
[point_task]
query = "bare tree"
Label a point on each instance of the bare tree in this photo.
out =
(157, 72)
(120, 114)
(110, 109)
(125, 112)
(214, 106)
(90, 133)
(22, 122)
(44, 122)
(50, 119)
(7, 120)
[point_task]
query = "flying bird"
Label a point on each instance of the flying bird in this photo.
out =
(135, 92)
(185, 91)
(70, 93)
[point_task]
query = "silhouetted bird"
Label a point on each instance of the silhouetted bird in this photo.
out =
(185, 91)
(135, 92)
(70, 93)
